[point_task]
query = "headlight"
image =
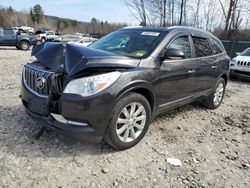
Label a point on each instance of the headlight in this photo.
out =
(91, 85)
(233, 61)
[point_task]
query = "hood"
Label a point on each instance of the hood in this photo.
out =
(74, 59)
(242, 58)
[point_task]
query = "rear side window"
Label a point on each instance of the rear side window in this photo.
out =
(1, 32)
(182, 43)
(8, 32)
(202, 47)
(216, 46)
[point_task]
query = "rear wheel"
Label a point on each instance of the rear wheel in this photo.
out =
(24, 45)
(214, 100)
(129, 122)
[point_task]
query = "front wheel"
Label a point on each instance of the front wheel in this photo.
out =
(214, 100)
(129, 122)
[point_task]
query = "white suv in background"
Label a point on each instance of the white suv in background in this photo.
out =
(240, 65)
(44, 36)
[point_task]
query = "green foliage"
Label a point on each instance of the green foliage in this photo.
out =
(36, 14)
(10, 10)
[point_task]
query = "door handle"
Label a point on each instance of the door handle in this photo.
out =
(214, 67)
(191, 71)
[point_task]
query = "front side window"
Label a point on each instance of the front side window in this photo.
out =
(182, 43)
(133, 43)
(202, 47)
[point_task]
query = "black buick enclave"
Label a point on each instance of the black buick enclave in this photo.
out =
(116, 86)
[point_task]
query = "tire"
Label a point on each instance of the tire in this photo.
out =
(134, 127)
(17, 47)
(24, 45)
(215, 99)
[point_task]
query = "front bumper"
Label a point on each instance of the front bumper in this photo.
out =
(240, 74)
(78, 117)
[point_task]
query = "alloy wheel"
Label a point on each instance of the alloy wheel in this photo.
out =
(131, 122)
(218, 94)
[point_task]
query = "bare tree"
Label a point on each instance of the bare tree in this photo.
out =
(137, 8)
(196, 15)
(181, 14)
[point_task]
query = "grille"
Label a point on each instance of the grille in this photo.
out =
(242, 72)
(244, 63)
(30, 77)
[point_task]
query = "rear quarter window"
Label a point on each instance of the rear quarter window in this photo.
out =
(216, 46)
(202, 47)
(8, 32)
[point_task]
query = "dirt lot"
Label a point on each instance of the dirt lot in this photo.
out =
(213, 146)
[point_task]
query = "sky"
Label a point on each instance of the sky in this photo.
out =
(81, 10)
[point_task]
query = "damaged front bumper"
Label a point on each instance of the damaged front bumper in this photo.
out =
(77, 117)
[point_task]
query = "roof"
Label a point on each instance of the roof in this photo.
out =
(171, 29)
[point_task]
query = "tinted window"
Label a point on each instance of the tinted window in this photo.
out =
(1, 32)
(202, 47)
(216, 46)
(132, 43)
(182, 43)
(246, 52)
(8, 32)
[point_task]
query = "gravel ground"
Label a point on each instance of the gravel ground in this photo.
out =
(213, 146)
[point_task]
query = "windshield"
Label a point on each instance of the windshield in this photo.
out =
(132, 43)
(246, 52)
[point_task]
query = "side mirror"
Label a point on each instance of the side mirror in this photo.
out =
(237, 53)
(173, 53)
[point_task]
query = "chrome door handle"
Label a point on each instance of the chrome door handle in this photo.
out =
(191, 71)
(214, 67)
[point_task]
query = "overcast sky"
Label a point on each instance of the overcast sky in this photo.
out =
(82, 10)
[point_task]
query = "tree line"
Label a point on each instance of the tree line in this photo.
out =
(35, 18)
(229, 17)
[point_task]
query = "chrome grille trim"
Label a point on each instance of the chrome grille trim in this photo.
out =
(30, 75)
(244, 63)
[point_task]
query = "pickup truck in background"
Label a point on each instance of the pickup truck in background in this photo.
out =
(44, 36)
(8, 37)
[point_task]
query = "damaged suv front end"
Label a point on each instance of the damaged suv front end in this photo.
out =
(65, 88)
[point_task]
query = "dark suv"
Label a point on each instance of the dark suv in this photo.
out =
(114, 88)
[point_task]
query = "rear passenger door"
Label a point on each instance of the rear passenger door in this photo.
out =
(9, 37)
(205, 63)
(1, 36)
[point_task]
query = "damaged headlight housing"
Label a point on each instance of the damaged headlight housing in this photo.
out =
(88, 86)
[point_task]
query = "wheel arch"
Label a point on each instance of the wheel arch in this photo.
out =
(225, 77)
(24, 40)
(141, 88)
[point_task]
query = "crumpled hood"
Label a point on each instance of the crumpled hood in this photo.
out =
(73, 58)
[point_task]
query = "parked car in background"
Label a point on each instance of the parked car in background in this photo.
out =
(240, 66)
(44, 36)
(24, 29)
(116, 86)
(9, 37)
(85, 41)
(66, 38)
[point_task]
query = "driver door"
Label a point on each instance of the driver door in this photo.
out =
(176, 73)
